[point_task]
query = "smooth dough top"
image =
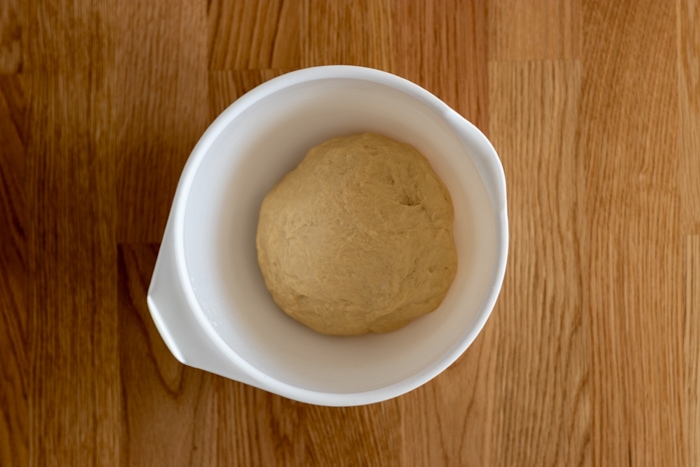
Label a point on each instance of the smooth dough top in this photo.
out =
(358, 238)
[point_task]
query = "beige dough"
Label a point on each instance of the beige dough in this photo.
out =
(358, 238)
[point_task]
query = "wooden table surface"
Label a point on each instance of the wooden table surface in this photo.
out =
(592, 354)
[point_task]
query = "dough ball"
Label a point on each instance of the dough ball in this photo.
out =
(358, 238)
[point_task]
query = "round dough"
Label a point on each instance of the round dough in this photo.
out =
(358, 238)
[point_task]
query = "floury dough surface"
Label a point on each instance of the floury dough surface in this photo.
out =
(358, 238)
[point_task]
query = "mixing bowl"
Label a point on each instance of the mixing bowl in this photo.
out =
(207, 296)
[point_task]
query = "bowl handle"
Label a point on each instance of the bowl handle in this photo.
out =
(484, 156)
(182, 333)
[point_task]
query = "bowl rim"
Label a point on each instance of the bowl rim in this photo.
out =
(305, 75)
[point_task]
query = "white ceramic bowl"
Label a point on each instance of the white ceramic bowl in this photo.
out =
(207, 295)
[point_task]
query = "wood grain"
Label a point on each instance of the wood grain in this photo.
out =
(74, 402)
(10, 37)
(545, 411)
(377, 429)
(634, 264)
(591, 356)
(534, 29)
(14, 371)
(691, 349)
(443, 46)
(689, 107)
(347, 32)
(259, 428)
(253, 35)
(689, 168)
(161, 81)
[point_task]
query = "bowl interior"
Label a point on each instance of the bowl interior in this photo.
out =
(253, 152)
